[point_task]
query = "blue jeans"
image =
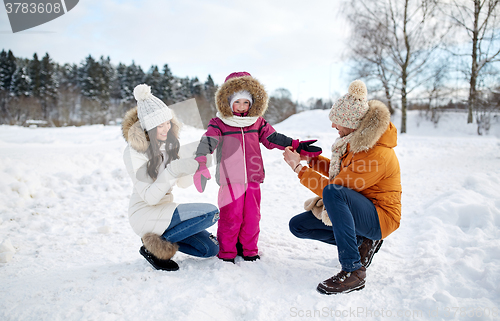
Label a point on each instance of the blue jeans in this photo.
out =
(187, 229)
(353, 216)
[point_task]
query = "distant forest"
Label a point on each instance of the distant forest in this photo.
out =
(95, 91)
(45, 93)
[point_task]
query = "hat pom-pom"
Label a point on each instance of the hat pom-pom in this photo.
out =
(142, 92)
(358, 90)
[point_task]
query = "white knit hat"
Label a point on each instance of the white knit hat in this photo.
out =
(352, 107)
(238, 95)
(150, 109)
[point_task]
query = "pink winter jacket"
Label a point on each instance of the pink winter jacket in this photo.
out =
(239, 159)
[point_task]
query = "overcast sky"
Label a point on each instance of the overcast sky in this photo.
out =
(293, 44)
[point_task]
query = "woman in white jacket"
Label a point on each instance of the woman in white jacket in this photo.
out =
(155, 163)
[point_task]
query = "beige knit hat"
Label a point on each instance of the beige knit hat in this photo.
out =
(352, 107)
(150, 109)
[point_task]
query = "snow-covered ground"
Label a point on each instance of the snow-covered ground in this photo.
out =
(71, 254)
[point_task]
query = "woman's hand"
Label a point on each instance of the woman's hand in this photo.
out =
(292, 158)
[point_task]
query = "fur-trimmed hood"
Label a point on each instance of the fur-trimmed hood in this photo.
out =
(135, 135)
(373, 126)
(256, 89)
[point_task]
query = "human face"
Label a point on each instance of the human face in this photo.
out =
(343, 131)
(241, 105)
(162, 130)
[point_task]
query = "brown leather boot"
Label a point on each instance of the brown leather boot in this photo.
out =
(344, 282)
(367, 250)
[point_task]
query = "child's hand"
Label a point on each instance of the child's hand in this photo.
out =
(202, 175)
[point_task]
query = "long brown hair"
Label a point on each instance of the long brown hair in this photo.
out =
(155, 156)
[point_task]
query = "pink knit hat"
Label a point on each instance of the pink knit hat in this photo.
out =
(237, 74)
(352, 107)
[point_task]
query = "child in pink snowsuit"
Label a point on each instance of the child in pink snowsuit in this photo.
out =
(236, 134)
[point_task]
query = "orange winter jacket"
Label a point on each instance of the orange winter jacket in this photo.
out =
(374, 173)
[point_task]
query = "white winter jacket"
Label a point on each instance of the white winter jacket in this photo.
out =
(152, 203)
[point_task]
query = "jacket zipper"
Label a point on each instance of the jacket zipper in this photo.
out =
(244, 154)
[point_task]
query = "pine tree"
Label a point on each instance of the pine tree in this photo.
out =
(7, 69)
(85, 79)
(106, 75)
(167, 85)
(34, 69)
(206, 101)
(68, 76)
(3, 71)
(121, 91)
(154, 79)
(195, 87)
(48, 86)
(68, 94)
(89, 75)
(209, 91)
(20, 83)
(181, 89)
(135, 76)
(210, 82)
(22, 104)
(94, 77)
(115, 87)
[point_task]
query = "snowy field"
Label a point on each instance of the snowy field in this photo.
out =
(71, 255)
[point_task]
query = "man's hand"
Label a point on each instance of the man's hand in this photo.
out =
(305, 158)
(292, 158)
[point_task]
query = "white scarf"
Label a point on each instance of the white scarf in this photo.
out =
(237, 121)
(339, 148)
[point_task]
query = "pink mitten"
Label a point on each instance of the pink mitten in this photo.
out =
(306, 148)
(202, 174)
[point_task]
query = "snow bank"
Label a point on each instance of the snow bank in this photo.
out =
(63, 208)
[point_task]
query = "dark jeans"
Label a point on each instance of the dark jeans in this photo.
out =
(190, 234)
(353, 217)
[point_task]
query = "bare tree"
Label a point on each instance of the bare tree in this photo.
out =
(479, 22)
(395, 42)
(280, 106)
(436, 91)
(371, 55)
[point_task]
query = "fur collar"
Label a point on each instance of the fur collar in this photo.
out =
(135, 135)
(256, 89)
(372, 127)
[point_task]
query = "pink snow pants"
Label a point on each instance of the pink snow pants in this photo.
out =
(239, 219)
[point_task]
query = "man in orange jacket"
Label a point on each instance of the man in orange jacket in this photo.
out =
(358, 189)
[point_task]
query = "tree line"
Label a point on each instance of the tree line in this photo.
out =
(93, 92)
(98, 92)
(408, 52)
